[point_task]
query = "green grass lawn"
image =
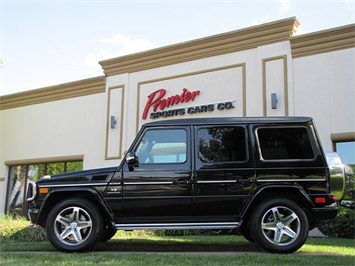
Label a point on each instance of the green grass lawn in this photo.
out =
(133, 249)
(145, 248)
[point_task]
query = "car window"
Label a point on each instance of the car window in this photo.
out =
(284, 143)
(221, 144)
(163, 146)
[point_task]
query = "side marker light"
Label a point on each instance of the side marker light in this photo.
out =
(43, 190)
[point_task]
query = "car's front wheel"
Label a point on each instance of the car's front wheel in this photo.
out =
(74, 225)
(107, 233)
(279, 225)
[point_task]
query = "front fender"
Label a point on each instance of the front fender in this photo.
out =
(55, 196)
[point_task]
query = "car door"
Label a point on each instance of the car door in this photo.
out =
(159, 185)
(224, 173)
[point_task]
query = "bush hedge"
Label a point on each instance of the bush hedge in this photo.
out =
(19, 229)
(342, 226)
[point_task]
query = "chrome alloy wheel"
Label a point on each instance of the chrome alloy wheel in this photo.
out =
(73, 226)
(281, 226)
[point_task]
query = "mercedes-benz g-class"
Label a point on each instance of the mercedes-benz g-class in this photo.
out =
(267, 177)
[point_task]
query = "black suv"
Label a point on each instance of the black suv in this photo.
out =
(267, 177)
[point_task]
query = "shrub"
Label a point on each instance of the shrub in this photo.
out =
(194, 232)
(30, 234)
(18, 229)
(176, 232)
(342, 226)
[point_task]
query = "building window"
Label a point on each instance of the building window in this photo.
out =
(20, 174)
(346, 151)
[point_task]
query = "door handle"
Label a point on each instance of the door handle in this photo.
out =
(181, 182)
(245, 182)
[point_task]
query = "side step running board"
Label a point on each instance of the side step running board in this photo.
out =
(176, 226)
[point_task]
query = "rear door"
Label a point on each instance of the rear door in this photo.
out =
(224, 172)
(160, 186)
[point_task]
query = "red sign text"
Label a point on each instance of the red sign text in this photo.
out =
(157, 101)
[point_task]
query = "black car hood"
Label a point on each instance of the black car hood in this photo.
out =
(86, 176)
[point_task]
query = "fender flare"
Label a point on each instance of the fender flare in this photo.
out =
(53, 197)
(279, 188)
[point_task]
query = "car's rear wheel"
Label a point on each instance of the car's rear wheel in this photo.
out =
(74, 225)
(246, 232)
(279, 225)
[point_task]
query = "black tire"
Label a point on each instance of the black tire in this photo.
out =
(279, 226)
(74, 225)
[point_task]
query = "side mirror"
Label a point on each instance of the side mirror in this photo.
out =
(132, 161)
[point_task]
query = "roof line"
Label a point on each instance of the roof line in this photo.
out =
(224, 43)
(54, 93)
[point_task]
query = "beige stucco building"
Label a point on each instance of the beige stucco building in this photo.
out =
(258, 71)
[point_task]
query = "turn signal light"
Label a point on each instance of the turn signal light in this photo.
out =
(43, 190)
(320, 200)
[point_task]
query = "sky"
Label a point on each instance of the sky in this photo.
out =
(44, 43)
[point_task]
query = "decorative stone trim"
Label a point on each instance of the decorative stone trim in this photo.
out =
(54, 93)
(323, 41)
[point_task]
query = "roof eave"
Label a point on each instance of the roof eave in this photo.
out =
(224, 43)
